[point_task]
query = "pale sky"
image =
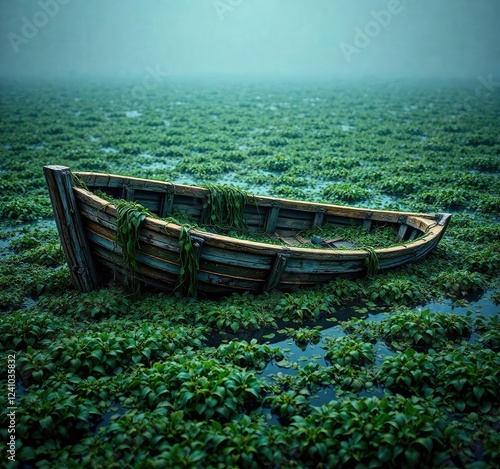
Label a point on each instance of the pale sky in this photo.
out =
(291, 38)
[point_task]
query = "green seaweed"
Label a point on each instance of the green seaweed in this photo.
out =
(188, 262)
(224, 207)
(130, 216)
(371, 262)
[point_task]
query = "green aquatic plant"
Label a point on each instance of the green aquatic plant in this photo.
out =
(361, 329)
(50, 254)
(105, 303)
(129, 217)
(400, 185)
(459, 282)
(348, 351)
(51, 420)
(277, 163)
(485, 260)
(203, 169)
(248, 354)
(424, 329)
(446, 197)
(103, 195)
(302, 307)
(98, 353)
(78, 182)
(409, 371)
(393, 432)
(304, 335)
(372, 432)
(393, 289)
(21, 329)
(371, 262)
(489, 330)
(466, 377)
(224, 207)
(189, 263)
(22, 209)
(229, 318)
(202, 389)
(345, 192)
(289, 404)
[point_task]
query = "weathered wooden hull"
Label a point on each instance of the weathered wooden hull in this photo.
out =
(227, 264)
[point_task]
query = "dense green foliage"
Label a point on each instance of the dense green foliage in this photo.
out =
(109, 379)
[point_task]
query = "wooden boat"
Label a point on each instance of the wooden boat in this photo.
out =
(87, 227)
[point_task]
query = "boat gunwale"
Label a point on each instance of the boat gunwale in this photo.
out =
(434, 224)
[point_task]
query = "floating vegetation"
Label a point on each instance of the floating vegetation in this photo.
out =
(430, 398)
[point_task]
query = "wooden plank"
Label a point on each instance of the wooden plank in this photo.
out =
(69, 225)
(289, 240)
(211, 283)
(260, 201)
(276, 272)
(300, 278)
(332, 219)
(251, 247)
(319, 219)
(153, 277)
(150, 200)
(236, 258)
(302, 240)
(415, 233)
(128, 193)
(197, 245)
(334, 240)
(298, 266)
(335, 214)
(294, 224)
(166, 204)
(402, 232)
(109, 250)
(297, 214)
(272, 219)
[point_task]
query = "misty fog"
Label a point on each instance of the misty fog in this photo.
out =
(249, 38)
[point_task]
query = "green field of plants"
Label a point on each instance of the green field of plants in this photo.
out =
(398, 369)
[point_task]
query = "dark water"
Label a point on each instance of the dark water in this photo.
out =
(297, 357)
